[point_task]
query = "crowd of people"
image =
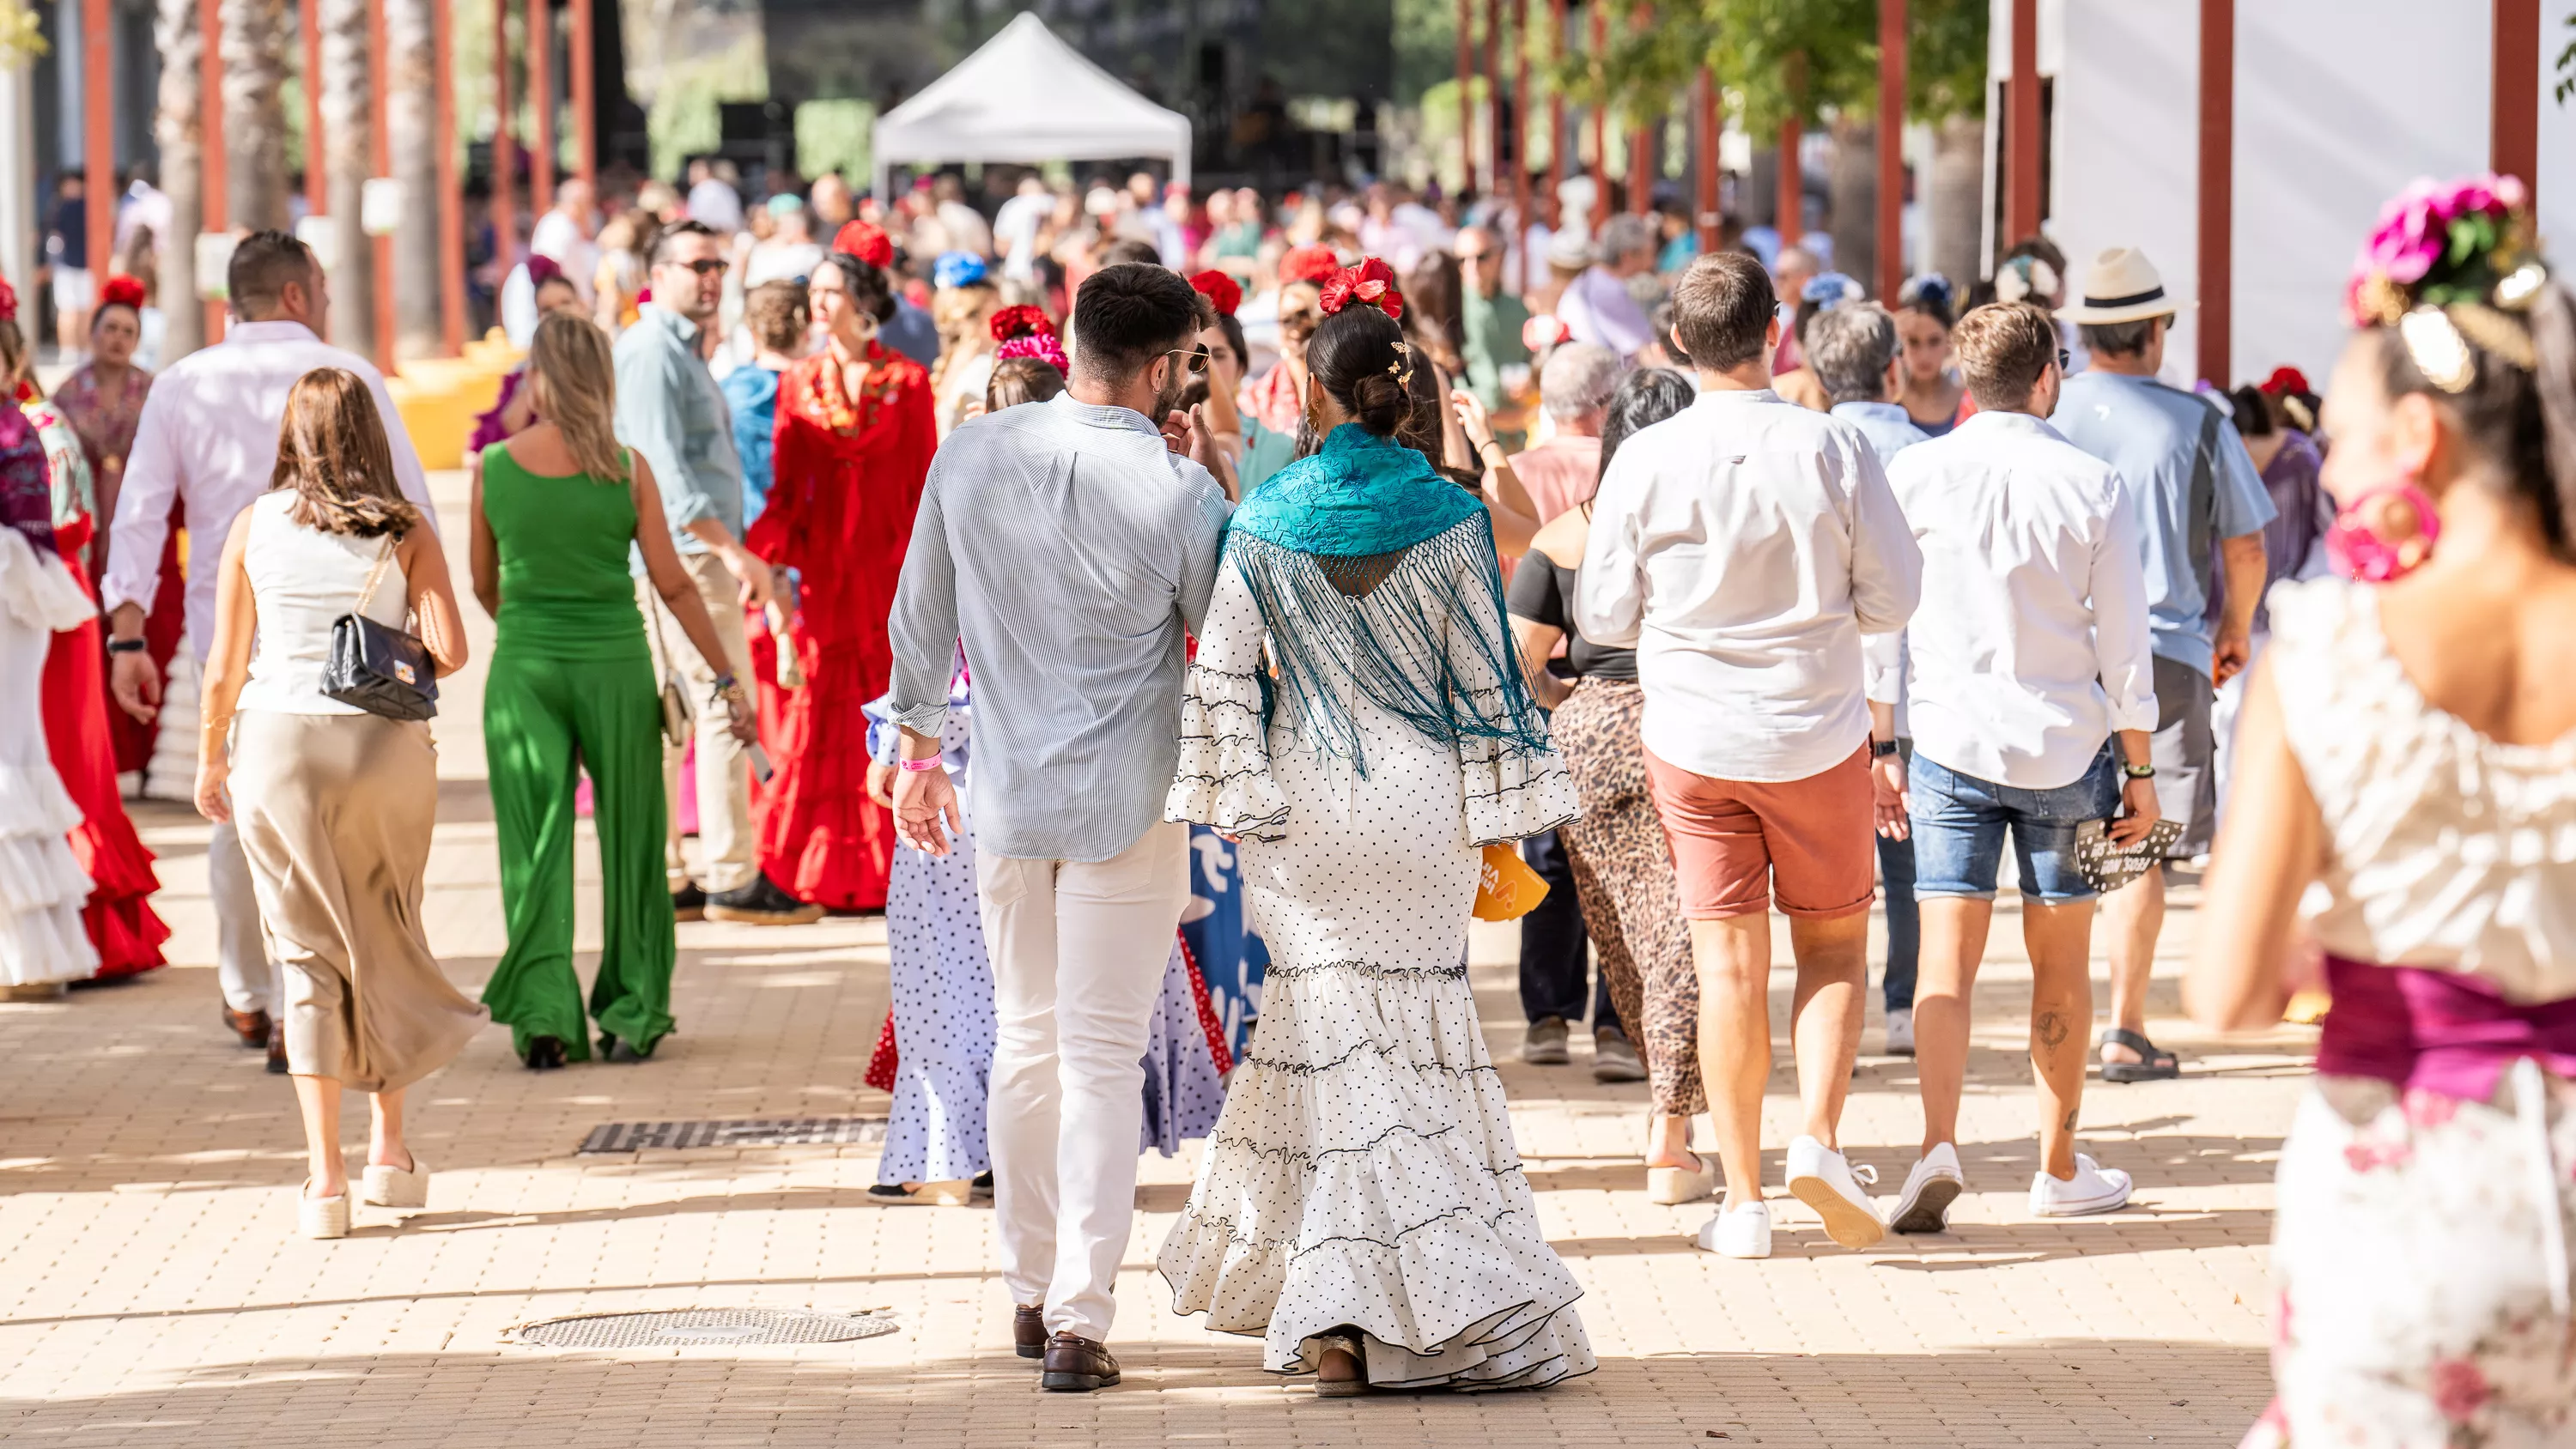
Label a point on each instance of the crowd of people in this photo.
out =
(1021, 574)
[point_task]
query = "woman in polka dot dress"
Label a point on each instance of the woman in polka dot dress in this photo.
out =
(1361, 1206)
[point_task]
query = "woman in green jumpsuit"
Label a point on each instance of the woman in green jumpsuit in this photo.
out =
(571, 688)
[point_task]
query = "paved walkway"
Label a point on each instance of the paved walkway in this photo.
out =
(152, 1292)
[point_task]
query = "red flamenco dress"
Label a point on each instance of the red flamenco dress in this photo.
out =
(848, 477)
(118, 915)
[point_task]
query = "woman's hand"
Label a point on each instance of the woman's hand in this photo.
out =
(1471, 418)
(1887, 797)
(214, 772)
(881, 783)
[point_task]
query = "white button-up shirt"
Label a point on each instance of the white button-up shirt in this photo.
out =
(208, 438)
(1742, 548)
(2031, 643)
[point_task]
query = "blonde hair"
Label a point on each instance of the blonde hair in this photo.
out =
(573, 377)
(331, 451)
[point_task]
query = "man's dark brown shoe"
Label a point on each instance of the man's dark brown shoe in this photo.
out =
(1028, 1331)
(1077, 1365)
(277, 1052)
(250, 1026)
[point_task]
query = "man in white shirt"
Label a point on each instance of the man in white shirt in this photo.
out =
(1597, 306)
(564, 233)
(1742, 549)
(2029, 654)
(208, 439)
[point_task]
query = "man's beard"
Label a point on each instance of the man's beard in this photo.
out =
(1168, 401)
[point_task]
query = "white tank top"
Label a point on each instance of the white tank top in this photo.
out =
(303, 580)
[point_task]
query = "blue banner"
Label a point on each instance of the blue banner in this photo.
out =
(1218, 927)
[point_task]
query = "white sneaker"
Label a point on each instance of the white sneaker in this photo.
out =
(1900, 1031)
(1738, 1231)
(1820, 1178)
(1934, 1184)
(2093, 1189)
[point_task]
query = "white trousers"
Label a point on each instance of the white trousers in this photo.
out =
(724, 763)
(1078, 950)
(243, 964)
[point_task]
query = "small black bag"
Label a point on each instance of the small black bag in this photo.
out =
(380, 670)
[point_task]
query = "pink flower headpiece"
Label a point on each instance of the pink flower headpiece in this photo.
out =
(1371, 283)
(2452, 263)
(1026, 332)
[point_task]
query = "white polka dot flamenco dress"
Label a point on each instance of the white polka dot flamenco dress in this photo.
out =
(42, 886)
(1363, 1174)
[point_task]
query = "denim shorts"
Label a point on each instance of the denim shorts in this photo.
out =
(1959, 825)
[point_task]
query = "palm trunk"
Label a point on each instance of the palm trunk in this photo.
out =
(1854, 183)
(176, 127)
(257, 37)
(1958, 191)
(347, 99)
(411, 119)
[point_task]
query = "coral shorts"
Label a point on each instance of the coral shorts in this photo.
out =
(1738, 842)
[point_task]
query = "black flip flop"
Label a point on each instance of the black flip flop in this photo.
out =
(2160, 1065)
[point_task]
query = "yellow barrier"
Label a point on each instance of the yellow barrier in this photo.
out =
(439, 398)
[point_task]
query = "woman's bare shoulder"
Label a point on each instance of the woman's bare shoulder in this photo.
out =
(1562, 538)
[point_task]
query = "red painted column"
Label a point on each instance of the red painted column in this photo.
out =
(505, 217)
(98, 137)
(1520, 131)
(380, 162)
(2021, 129)
(317, 168)
(213, 170)
(1892, 57)
(2513, 145)
(1709, 134)
(1466, 95)
(1642, 162)
(585, 100)
(451, 186)
(1600, 124)
(1498, 146)
(1555, 121)
(2217, 252)
(541, 106)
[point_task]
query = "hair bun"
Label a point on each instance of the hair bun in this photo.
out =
(1380, 404)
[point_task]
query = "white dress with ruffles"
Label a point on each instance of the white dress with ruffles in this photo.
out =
(1363, 1172)
(42, 886)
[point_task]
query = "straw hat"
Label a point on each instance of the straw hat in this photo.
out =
(2120, 286)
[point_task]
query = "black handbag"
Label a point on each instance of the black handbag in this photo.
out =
(379, 669)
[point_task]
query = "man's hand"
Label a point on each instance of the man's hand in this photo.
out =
(1203, 448)
(1179, 435)
(2141, 812)
(2229, 654)
(924, 800)
(1887, 797)
(752, 574)
(136, 682)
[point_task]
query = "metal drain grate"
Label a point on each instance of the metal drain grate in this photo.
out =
(743, 1132)
(684, 1327)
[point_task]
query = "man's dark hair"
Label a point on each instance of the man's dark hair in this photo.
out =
(1130, 250)
(668, 238)
(2004, 347)
(1128, 315)
(263, 263)
(2119, 339)
(1722, 310)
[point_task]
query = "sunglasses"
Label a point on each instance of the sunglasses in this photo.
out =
(706, 266)
(1193, 358)
(2064, 358)
(1467, 258)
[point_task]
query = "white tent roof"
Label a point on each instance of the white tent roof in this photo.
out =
(1025, 95)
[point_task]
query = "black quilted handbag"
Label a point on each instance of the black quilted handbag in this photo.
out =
(379, 669)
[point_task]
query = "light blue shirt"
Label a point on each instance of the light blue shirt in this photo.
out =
(1886, 659)
(2191, 480)
(670, 410)
(1070, 552)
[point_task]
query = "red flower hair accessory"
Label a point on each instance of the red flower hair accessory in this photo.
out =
(1224, 293)
(866, 241)
(1372, 283)
(121, 291)
(1309, 264)
(8, 301)
(1023, 321)
(2285, 379)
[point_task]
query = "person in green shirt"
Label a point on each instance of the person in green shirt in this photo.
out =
(1492, 318)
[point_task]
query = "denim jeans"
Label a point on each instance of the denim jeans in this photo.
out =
(1959, 824)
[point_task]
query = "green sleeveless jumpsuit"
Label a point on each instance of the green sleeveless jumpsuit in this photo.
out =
(571, 689)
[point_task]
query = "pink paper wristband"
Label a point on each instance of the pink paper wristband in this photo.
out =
(917, 766)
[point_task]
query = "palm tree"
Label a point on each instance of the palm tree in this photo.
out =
(347, 98)
(411, 99)
(257, 36)
(176, 128)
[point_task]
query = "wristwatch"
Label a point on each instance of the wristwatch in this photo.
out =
(2138, 772)
(125, 646)
(1881, 749)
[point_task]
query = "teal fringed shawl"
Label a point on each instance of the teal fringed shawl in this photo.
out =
(1367, 563)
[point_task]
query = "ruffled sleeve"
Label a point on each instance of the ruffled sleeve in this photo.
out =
(37, 589)
(1224, 779)
(1514, 788)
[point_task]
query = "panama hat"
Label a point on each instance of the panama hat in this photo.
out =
(2121, 286)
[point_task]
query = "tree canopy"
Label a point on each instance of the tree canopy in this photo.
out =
(1783, 58)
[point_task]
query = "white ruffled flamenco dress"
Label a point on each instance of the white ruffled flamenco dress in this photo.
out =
(1363, 1174)
(42, 886)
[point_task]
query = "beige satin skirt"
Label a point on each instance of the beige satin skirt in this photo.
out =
(335, 812)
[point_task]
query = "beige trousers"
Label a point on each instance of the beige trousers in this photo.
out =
(1078, 951)
(725, 835)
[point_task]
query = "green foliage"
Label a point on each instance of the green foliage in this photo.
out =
(683, 120)
(833, 136)
(1426, 46)
(2566, 68)
(1780, 58)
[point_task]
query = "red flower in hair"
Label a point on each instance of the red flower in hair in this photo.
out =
(122, 291)
(866, 241)
(8, 301)
(1013, 322)
(1309, 264)
(1372, 283)
(2285, 379)
(1224, 293)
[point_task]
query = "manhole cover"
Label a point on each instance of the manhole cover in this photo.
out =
(680, 1327)
(740, 1132)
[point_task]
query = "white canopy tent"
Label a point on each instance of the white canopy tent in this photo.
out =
(1027, 96)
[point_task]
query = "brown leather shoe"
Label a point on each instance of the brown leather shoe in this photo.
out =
(1077, 1365)
(277, 1052)
(250, 1026)
(1028, 1330)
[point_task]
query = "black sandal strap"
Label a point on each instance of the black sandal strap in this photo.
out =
(2154, 1055)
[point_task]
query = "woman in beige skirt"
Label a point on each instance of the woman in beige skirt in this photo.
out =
(335, 804)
